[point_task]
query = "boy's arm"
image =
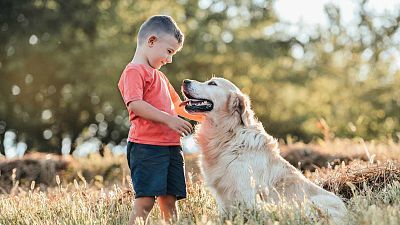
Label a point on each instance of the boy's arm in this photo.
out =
(131, 85)
(149, 112)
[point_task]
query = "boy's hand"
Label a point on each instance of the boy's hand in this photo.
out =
(147, 111)
(179, 125)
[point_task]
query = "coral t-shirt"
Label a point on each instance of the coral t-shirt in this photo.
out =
(142, 82)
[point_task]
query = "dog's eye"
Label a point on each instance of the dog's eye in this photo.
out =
(212, 83)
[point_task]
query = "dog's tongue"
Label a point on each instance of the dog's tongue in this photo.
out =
(184, 102)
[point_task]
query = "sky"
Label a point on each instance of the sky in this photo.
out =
(312, 11)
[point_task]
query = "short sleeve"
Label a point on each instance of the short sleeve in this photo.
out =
(131, 85)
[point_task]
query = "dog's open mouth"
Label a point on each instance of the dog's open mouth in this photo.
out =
(195, 104)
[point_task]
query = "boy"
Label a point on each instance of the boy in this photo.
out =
(153, 152)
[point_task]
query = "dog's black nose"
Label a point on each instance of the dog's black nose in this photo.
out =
(186, 81)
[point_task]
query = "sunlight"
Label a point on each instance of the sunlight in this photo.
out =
(311, 12)
(189, 145)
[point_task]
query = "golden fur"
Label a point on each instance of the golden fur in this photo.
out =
(240, 162)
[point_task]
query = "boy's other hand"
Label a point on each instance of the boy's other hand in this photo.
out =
(179, 125)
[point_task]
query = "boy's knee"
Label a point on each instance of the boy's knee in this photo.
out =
(144, 204)
(167, 200)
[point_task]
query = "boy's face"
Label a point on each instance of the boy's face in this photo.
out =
(160, 49)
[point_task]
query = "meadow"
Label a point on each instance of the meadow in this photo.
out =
(337, 79)
(48, 189)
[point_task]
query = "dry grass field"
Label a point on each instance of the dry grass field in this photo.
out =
(45, 189)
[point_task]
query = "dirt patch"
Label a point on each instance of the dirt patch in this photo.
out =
(358, 176)
(17, 175)
(38, 167)
(310, 159)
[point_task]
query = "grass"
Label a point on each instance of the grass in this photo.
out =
(103, 196)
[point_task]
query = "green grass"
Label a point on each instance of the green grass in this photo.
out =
(76, 204)
(104, 202)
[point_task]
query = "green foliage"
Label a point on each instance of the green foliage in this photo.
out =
(60, 63)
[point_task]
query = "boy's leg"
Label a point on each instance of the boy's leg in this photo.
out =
(149, 169)
(141, 209)
(176, 185)
(168, 207)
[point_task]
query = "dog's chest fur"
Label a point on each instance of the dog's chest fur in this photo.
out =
(241, 163)
(231, 161)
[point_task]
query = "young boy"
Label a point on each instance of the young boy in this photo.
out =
(153, 152)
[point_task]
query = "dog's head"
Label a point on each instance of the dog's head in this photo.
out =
(217, 98)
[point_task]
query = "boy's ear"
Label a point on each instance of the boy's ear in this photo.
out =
(151, 40)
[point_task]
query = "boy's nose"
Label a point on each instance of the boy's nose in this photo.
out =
(186, 81)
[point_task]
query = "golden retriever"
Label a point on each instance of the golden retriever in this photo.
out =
(240, 162)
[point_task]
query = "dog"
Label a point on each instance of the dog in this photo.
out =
(240, 161)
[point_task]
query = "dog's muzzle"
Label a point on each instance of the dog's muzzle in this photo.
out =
(193, 104)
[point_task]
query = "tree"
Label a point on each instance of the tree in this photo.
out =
(60, 63)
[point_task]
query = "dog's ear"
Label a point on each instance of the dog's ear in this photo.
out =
(240, 103)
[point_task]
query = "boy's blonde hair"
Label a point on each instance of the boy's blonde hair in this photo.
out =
(159, 24)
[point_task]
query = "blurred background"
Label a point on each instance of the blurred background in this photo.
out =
(311, 68)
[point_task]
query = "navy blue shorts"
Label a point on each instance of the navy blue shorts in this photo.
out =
(156, 170)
